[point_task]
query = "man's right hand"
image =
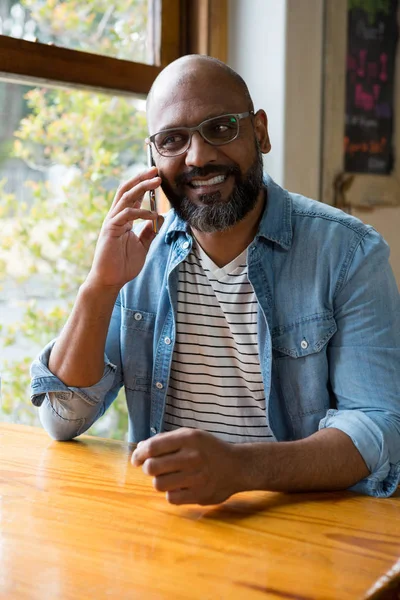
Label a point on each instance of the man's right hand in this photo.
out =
(120, 253)
(77, 357)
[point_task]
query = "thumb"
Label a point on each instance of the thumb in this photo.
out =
(147, 234)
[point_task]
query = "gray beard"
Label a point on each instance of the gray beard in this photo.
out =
(216, 215)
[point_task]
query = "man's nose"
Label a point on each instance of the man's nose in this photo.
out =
(200, 152)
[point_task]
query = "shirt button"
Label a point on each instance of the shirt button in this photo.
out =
(153, 430)
(167, 340)
(304, 344)
(159, 385)
(138, 316)
(185, 245)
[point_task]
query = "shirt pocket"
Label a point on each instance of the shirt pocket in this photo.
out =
(137, 332)
(301, 365)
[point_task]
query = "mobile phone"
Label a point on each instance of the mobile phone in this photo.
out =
(152, 194)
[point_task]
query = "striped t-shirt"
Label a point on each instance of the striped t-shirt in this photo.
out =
(215, 382)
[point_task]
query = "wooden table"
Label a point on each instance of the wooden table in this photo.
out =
(78, 522)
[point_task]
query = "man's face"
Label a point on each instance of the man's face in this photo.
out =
(210, 187)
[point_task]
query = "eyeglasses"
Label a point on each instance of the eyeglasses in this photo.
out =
(216, 131)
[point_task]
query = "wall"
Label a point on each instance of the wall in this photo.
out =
(303, 109)
(277, 48)
(256, 50)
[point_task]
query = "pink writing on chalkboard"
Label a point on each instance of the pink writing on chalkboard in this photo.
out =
(374, 74)
(369, 70)
(384, 63)
(368, 101)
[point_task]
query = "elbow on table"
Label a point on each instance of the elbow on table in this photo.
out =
(58, 428)
(61, 436)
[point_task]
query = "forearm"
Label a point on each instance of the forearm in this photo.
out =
(327, 460)
(77, 358)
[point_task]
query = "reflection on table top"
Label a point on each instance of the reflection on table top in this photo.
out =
(77, 521)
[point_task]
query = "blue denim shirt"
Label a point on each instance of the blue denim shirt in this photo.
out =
(328, 336)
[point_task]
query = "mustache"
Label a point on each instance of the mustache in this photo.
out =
(207, 170)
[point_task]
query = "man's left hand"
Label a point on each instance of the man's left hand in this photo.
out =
(190, 465)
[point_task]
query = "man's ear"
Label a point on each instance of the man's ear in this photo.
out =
(261, 131)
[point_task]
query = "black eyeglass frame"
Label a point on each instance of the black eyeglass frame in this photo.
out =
(191, 130)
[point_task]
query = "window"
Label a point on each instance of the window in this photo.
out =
(72, 125)
(64, 153)
(124, 29)
(25, 59)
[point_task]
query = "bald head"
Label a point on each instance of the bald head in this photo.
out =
(199, 72)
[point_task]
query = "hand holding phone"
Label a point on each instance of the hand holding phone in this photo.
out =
(152, 194)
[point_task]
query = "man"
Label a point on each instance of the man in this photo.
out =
(257, 335)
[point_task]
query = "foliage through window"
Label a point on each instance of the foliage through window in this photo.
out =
(119, 28)
(63, 153)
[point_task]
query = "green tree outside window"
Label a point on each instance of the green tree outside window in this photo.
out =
(82, 145)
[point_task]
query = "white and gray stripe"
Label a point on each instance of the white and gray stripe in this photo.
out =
(216, 381)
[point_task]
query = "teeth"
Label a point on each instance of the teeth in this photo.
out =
(213, 181)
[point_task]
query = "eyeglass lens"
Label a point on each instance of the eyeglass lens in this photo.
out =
(219, 130)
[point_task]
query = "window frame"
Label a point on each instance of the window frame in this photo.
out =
(187, 26)
(22, 61)
(205, 27)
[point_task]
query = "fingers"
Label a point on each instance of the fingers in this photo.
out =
(147, 235)
(176, 481)
(176, 464)
(133, 190)
(170, 463)
(127, 185)
(163, 443)
(183, 496)
(131, 214)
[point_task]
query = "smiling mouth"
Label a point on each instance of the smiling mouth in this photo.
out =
(201, 183)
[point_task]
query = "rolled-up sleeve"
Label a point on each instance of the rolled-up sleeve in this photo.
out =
(66, 412)
(364, 363)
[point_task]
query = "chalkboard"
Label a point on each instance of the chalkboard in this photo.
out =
(371, 50)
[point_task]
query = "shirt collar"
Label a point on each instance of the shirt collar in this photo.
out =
(176, 227)
(275, 224)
